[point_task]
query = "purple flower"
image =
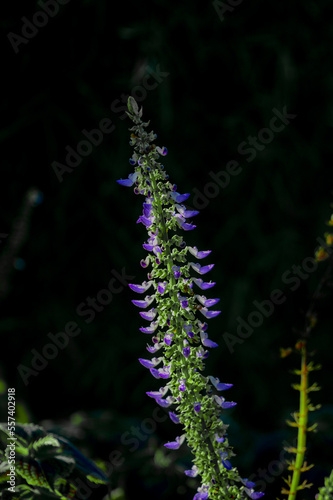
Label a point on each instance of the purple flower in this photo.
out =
(182, 384)
(147, 222)
(225, 461)
(147, 207)
(206, 341)
(161, 373)
(219, 439)
(209, 314)
(219, 385)
(158, 394)
(186, 213)
(184, 225)
(176, 271)
(149, 329)
(174, 417)
(150, 363)
(204, 286)
(141, 288)
(202, 493)
(165, 403)
(186, 351)
(197, 407)
(188, 330)
(254, 494)
(201, 269)
(247, 483)
(144, 303)
(192, 472)
(130, 181)
(168, 338)
(174, 445)
(155, 348)
(161, 287)
(179, 198)
(148, 315)
(199, 255)
(206, 302)
(223, 403)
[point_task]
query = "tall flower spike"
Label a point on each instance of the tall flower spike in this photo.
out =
(178, 333)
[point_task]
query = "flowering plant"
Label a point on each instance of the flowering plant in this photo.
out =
(177, 314)
(177, 322)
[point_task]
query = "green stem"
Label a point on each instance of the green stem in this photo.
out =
(302, 428)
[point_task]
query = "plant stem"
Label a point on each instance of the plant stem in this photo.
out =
(302, 428)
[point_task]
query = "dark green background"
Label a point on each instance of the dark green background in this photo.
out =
(225, 77)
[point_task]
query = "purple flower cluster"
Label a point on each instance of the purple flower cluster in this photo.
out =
(173, 307)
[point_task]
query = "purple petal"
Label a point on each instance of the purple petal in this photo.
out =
(174, 445)
(204, 286)
(149, 329)
(168, 338)
(143, 303)
(254, 494)
(147, 222)
(206, 341)
(161, 287)
(201, 269)
(148, 315)
(209, 314)
(161, 372)
(186, 213)
(174, 417)
(125, 182)
(197, 407)
(179, 198)
(199, 255)
(186, 226)
(155, 348)
(206, 302)
(130, 181)
(157, 394)
(147, 363)
(192, 472)
(219, 385)
(147, 209)
(186, 351)
(147, 247)
(211, 302)
(176, 271)
(247, 483)
(209, 343)
(228, 404)
(165, 403)
(141, 288)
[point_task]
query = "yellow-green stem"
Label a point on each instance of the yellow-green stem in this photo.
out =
(302, 428)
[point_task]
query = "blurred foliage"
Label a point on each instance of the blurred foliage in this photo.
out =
(224, 81)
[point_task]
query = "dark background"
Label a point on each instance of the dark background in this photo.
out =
(224, 79)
